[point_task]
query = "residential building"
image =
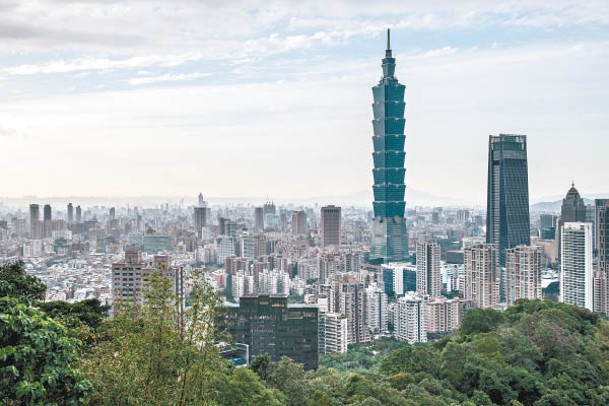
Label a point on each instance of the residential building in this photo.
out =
(576, 276)
(481, 282)
(429, 276)
(410, 319)
(523, 273)
(332, 333)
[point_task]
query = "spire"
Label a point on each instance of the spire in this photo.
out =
(389, 60)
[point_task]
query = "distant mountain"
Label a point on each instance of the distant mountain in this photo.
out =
(553, 206)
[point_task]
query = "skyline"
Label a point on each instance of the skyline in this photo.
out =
(288, 70)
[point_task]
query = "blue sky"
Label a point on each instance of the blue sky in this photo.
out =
(272, 98)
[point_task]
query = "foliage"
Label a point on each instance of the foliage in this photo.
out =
(154, 356)
(15, 282)
(36, 358)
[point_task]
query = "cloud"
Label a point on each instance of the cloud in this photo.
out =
(169, 77)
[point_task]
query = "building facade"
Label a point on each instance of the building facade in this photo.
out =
(268, 324)
(523, 266)
(389, 240)
(330, 225)
(410, 319)
(576, 276)
(429, 275)
(507, 223)
(332, 333)
(481, 282)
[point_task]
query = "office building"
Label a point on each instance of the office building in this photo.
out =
(299, 222)
(572, 210)
(332, 333)
(34, 220)
(410, 319)
(268, 324)
(70, 213)
(602, 233)
(330, 225)
(389, 240)
(523, 266)
(576, 277)
(78, 214)
(429, 276)
(47, 212)
(547, 226)
(507, 223)
(259, 219)
(481, 279)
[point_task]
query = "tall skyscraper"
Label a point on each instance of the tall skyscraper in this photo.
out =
(36, 228)
(70, 213)
(572, 210)
(330, 225)
(507, 215)
(389, 240)
(576, 277)
(429, 276)
(78, 214)
(523, 267)
(481, 275)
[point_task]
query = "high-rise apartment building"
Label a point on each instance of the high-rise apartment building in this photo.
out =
(376, 310)
(507, 223)
(268, 324)
(410, 319)
(389, 240)
(330, 225)
(444, 315)
(576, 277)
(429, 276)
(523, 267)
(78, 214)
(48, 216)
(129, 278)
(602, 233)
(34, 221)
(332, 333)
(299, 222)
(481, 282)
(349, 298)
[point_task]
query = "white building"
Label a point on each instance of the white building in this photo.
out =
(429, 276)
(225, 247)
(376, 310)
(410, 323)
(576, 277)
(523, 266)
(332, 333)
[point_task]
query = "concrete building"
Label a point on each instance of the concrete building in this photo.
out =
(481, 282)
(376, 310)
(349, 298)
(523, 273)
(429, 276)
(410, 319)
(299, 222)
(444, 315)
(332, 333)
(576, 277)
(129, 278)
(268, 324)
(330, 225)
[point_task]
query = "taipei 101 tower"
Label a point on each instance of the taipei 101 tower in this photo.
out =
(389, 241)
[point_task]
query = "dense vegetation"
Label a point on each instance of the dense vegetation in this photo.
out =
(535, 353)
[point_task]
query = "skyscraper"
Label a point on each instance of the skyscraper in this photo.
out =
(572, 210)
(47, 212)
(259, 218)
(36, 229)
(299, 222)
(507, 215)
(330, 225)
(576, 278)
(429, 277)
(389, 239)
(78, 214)
(602, 233)
(70, 213)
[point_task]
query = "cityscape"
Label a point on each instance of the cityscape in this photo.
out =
(323, 280)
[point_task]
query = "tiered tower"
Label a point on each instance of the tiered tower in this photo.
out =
(389, 239)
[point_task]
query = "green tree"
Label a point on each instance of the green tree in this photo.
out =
(15, 282)
(36, 358)
(480, 321)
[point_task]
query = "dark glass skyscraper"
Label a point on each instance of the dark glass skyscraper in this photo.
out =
(507, 211)
(389, 239)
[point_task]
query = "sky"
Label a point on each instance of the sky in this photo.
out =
(272, 98)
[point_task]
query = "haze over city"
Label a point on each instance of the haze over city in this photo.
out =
(259, 99)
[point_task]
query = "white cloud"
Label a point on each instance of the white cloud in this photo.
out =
(168, 77)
